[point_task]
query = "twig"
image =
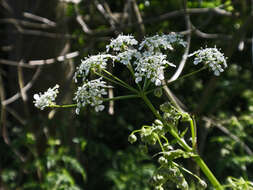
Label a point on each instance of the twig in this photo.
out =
(138, 17)
(80, 21)
(227, 132)
(26, 88)
(39, 18)
(15, 115)
(52, 60)
(186, 52)
(107, 16)
(24, 23)
(4, 130)
(33, 63)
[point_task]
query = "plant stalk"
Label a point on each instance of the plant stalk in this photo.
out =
(197, 159)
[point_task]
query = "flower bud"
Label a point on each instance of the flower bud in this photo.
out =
(132, 138)
(158, 92)
(162, 160)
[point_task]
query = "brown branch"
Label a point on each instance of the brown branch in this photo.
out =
(6, 6)
(173, 14)
(24, 23)
(227, 132)
(138, 17)
(4, 130)
(15, 115)
(39, 18)
(26, 88)
(34, 63)
(107, 16)
(53, 60)
(80, 21)
(42, 33)
(210, 36)
(186, 52)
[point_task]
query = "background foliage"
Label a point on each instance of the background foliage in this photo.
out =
(55, 149)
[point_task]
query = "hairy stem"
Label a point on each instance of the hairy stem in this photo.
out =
(180, 141)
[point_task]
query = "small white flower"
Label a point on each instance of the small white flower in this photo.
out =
(91, 93)
(212, 57)
(44, 100)
(126, 56)
(121, 43)
(164, 41)
(93, 62)
(151, 66)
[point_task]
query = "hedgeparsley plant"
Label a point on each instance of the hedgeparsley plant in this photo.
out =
(146, 61)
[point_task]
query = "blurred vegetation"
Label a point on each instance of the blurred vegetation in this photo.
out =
(55, 149)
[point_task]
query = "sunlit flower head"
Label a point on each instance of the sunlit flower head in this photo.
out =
(151, 66)
(121, 43)
(158, 42)
(47, 98)
(96, 62)
(91, 93)
(212, 57)
(126, 56)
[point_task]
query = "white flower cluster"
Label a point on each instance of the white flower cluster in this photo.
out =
(126, 56)
(90, 93)
(151, 66)
(93, 62)
(164, 41)
(44, 100)
(122, 42)
(212, 57)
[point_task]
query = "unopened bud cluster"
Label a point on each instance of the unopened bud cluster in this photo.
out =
(168, 174)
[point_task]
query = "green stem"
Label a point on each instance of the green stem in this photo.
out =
(208, 173)
(197, 159)
(120, 81)
(187, 171)
(63, 106)
(184, 76)
(121, 97)
(194, 136)
(158, 116)
(190, 74)
(160, 143)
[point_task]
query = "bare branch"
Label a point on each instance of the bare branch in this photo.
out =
(138, 17)
(210, 36)
(186, 52)
(227, 132)
(6, 6)
(15, 63)
(26, 88)
(80, 20)
(24, 23)
(33, 63)
(53, 60)
(39, 18)
(107, 16)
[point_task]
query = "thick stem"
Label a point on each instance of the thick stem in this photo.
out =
(197, 159)
(172, 132)
(121, 97)
(208, 173)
